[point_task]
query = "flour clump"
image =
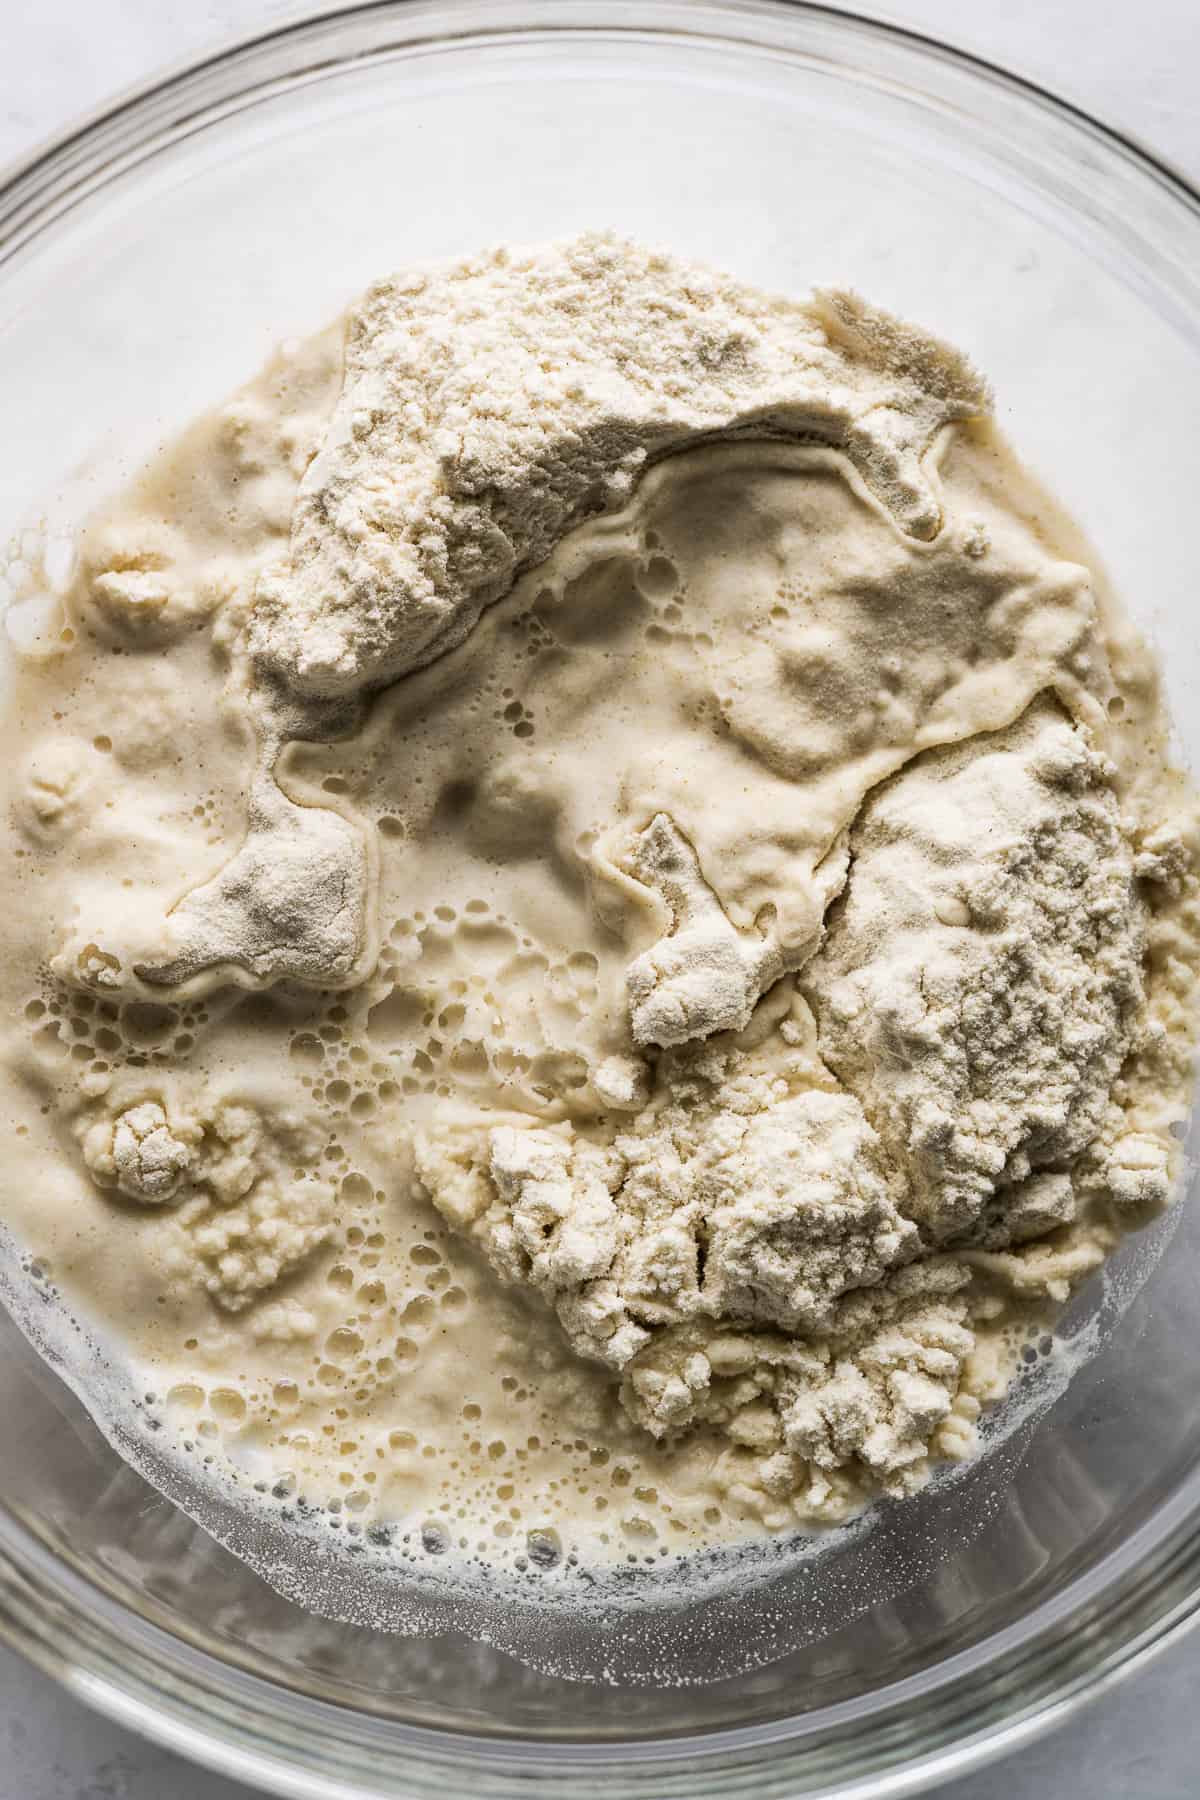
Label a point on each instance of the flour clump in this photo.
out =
(490, 406)
(979, 981)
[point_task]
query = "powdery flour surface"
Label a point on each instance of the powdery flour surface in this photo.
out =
(599, 922)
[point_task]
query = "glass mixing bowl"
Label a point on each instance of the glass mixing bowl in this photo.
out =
(148, 263)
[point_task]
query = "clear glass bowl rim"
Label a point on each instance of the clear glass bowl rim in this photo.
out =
(973, 1707)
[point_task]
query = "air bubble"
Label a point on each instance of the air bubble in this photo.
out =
(187, 1396)
(228, 1405)
(658, 578)
(470, 1059)
(146, 1024)
(544, 1548)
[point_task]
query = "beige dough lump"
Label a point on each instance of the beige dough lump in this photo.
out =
(236, 1168)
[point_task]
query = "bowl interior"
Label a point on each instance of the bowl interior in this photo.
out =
(793, 148)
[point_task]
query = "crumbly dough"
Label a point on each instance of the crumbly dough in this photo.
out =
(976, 992)
(250, 1209)
(640, 1078)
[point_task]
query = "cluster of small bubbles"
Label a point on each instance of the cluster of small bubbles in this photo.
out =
(386, 1293)
(436, 1028)
(515, 715)
(791, 595)
(206, 812)
(104, 1036)
(662, 586)
(530, 625)
(209, 1411)
(337, 1068)
(1039, 1343)
(389, 1306)
(378, 1340)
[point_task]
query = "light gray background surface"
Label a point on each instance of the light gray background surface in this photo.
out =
(1134, 63)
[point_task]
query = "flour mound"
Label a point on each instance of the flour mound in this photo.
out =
(748, 1204)
(293, 903)
(491, 405)
(792, 1252)
(978, 984)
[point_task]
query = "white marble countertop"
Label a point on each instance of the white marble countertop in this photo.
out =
(1136, 66)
